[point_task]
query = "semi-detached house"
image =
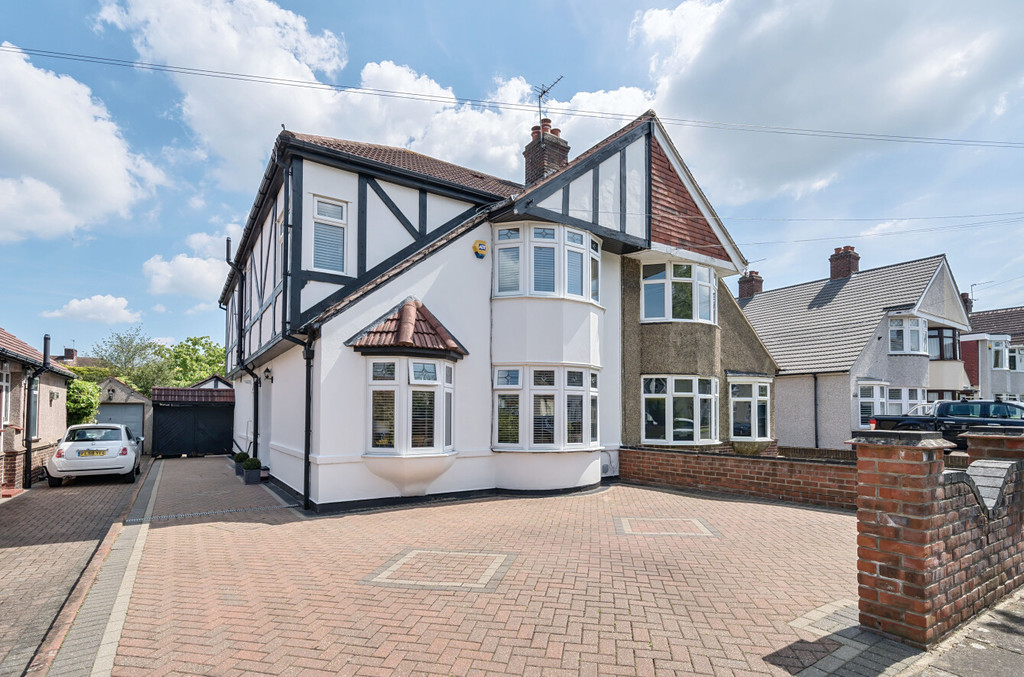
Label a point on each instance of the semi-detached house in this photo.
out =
(398, 325)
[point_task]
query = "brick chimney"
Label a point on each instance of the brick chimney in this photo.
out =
(968, 303)
(546, 153)
(70, 354)
(844, 263)
(751, 284)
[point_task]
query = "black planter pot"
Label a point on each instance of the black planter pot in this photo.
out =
(238, 468)
(252, 476)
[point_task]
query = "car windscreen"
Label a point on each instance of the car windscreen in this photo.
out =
(94, 435)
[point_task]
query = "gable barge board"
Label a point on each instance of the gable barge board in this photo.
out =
(393, 208)
(257, 214)
(361, 228)
(402, 177)
(615, 241)
(387, 264)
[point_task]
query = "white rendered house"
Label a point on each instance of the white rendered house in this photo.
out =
(399, 326)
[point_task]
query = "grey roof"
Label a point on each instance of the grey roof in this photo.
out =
(822, 326)
(1001, 321)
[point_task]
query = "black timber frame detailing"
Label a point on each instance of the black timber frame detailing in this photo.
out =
(384, 266)
(591, 163)
(361, 228)
(294, 241)
(286, 227)
(318, 276)
(393, 208)
(450, 355)
(595, 194)
(423, 212)
(614, 241)
(622, 189)
(565, 200)
(647, 144)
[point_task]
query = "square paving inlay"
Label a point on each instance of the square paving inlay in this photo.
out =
(443, 570)
(665, 526)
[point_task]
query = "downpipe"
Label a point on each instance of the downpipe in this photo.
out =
(26, 477)
(241, 351)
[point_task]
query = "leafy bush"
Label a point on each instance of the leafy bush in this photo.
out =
(83, 401)
(241, 457)
(252, 464)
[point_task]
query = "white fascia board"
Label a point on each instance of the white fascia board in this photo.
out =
(739, 262)
(985, 337)
(944, 321)
(687, 255)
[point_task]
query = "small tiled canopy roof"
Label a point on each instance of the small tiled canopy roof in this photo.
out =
(194, 395)
(409, 327)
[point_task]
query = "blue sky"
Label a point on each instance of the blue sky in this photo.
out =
(118, 185)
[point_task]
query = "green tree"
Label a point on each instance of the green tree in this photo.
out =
(127, 351)
(193, 359)
(83, 401)
(92, 374)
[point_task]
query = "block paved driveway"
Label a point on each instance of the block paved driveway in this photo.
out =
(47, 537)
(624, 580)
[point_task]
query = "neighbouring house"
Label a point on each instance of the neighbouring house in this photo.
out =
(399, 325)
(213, 381)
(858, 343)
(45, 395)
(120, 403)
(70, 358)
(994, 353)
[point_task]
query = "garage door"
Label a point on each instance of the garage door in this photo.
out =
(128, 414)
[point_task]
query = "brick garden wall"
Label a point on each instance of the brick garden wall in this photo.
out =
(936, 546)
(827, 483)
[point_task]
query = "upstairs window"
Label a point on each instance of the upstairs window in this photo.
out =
(547, 261)
(999, 355)
(329, 220)
(942, 343)
(906, 335)
(679, 291)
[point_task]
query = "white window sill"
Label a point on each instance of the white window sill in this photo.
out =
(913, 354)
(702, 443)
(568, 450)
(548, 297)
(674, 320)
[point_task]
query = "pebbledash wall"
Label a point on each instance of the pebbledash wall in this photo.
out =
(936, 546)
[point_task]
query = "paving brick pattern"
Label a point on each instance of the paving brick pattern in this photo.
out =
(46, 539)
(271, 593)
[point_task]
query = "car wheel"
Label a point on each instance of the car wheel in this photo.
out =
(54, 482)
(129, 477)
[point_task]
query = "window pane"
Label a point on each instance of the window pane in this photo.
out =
(544, 269)
(682, 419)
(328, 247)
(508, 419)
(704, 302)
(543, 377)
(383, 417)
(741, 419)
(866, 412)
(655, 272)
(330, 211)
(507, 377)
(508, 270)
(424, 371)
(33, 403)
(574, 272)
(895, 393)
(948, 345)
(867, 391)
(704, 386)
(422, 418)
(574, 419)
(593, 419)
(742, 390)
(682, 270)
(544, 233)
(762, 391)
(705, 419)
(915, 340)
(683, 385)
(762, 419)
(593, 380)
(934, 347)
(682, 300)
(896, 340)
(655, 385)
(573, 238)
(383, 371)
(543, 419)
(895, 323)
(448, 419)
(595, 279)
(574, 379)
(654, 418)
(702, 274)
(595, 246)
(895, 409)
(654, 300)
(508, 234)
(449, 374)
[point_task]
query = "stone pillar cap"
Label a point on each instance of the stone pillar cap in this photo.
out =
(928, 439)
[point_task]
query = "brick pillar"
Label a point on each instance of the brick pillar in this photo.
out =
(899, 477)
(994, 442)
(13, 462)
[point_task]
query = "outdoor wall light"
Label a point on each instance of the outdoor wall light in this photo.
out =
(54, 395)
(110, 394)
(267, 375)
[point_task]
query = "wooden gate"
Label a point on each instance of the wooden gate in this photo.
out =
(192, 421)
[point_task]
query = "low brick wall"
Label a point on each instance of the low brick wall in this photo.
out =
(14, 468)
(827, 483)
(936, 546)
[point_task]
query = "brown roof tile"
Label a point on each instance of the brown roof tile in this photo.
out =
(18, 349)
(1000, 321)
(410, 326)
(409, 160)
(193, 395)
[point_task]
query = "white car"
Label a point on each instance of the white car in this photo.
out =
(95, 449)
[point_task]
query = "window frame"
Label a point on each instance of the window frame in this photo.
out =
(330, 222)
(527, 242)
(908, 325)
(755, 399)
(5, 394)
(525, 393)
(878, 400)
(1001, 351)
(670, 395)
(667, 283)
(940, 334)
(403, 386)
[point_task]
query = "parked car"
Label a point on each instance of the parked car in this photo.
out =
(954, 418)
(95, 449)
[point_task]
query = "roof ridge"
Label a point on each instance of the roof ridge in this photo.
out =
(996, 310)
(861, 272)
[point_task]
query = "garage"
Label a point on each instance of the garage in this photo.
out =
(120, 403)
(192, 421)
(130, 415)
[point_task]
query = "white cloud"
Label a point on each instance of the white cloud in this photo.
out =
(159, 308)
(211, 245)
(202, 308)
(99, 308)
(66, 164)
(193, 276)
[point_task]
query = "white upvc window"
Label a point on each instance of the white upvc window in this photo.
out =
(330, 218)
(908, 335)
(750, 409)
(679, 409)
(412, 404)
(545, 407)
(5, 393)
(547, 260)
(1015, 359)
(871, 401)
(33, 403)
(900, 400)
(1000, 359)
(679, 291)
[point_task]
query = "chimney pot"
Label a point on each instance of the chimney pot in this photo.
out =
(838, 249)
(546, 153)
(750, 284)
(557, 132)
(843, 263)
(545, 125)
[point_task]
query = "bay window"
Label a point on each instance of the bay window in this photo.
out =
(906, 335)
(942, 343)
(679, 291)
(554, 260)
(871, 401)
(679, 409)
(750, 412)
(999, 355)
(900, 400)
(555, 403)
(411, 405)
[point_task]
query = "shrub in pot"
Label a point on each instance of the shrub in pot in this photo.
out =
(251, 470)
(240, 458)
